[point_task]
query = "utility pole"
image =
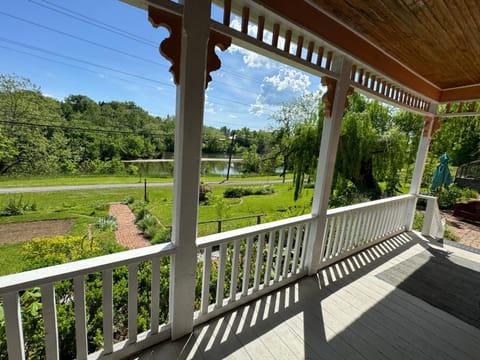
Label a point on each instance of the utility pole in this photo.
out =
(230, 152)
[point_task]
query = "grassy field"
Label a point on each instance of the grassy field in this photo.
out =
(6, 182)
(86, 206)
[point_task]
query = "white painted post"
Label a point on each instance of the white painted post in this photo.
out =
(188, 136)
(326, 166)
(417, 176)
(420, 161)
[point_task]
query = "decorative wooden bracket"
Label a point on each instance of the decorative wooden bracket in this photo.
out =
(426, 126)
(349, 92)
(436, 125)
(171, 47)
(213, 62)
(328, 97)
(434, 128)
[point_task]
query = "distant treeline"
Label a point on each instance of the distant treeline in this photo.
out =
(40, 135)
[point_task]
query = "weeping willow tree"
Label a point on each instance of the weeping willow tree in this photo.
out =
(299, 137)
(375, 144)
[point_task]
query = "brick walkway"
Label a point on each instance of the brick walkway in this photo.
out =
(127, 234)
(468, 233)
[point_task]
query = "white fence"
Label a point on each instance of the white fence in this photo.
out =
(247, 263)
(12, 286)
(352, 228)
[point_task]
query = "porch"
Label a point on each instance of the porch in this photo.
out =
(400, 299)
(254, 299)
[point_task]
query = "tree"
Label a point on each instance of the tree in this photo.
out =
(459, 138)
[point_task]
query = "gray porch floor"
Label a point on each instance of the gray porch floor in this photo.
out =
(355, 309)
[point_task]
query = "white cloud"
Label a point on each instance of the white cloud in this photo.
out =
(232, 116)
(285, 85)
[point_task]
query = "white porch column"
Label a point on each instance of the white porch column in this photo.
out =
(188, 136)
(421, 159)
(326, 165)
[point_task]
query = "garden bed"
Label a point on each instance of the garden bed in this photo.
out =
(26, 231)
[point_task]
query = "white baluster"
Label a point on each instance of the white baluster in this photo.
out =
(13, 326)
(132, 302)
(80, 317)
(50, 321)
(155, 301)
(246, 266)
(207, 263)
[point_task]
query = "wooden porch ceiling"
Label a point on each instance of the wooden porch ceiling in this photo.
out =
(433, 47)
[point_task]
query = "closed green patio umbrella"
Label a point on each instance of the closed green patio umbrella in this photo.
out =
(442, 176)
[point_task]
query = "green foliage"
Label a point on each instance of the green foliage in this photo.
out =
(107, 223)
(375, 145)
(36, 149)
(162, 236)
(148, 220)
(460, 138)
(56, 250)
(221, 206)
(240, 191)
(204, 190)
(347, 194)
(16, 206)
(447, 198)
(128, 200)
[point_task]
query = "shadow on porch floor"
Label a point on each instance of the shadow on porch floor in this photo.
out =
(347, 311)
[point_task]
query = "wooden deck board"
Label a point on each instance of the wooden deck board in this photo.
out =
(345, 312)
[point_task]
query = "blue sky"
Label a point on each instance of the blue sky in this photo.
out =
(107, 50)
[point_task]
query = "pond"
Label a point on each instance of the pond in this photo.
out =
(164, 167)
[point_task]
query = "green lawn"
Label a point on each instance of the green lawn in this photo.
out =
(86, 206)
(10, 260)
(6, 182)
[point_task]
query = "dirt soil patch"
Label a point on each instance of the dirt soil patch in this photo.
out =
(26, 231)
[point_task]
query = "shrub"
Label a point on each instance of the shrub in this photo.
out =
(128, 200)
(239, 191)
(107, 223)
(162, 236)
(205, 189)
(56, 250)
(447, 198)
(150, 231)
(17, 207)
(147, 221)
(140, 213)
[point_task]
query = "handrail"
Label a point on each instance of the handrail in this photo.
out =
(51, 274)
(345, 209)
(228, 236)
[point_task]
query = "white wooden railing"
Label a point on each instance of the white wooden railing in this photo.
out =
(433, 223)
(247, 263)
(352, 228)
(235, 266)
(12, 286)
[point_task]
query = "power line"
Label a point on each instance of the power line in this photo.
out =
(107, 27)
(82, 39)
(88, 20)
(68, 12)
(81, 68)
(35, 48)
